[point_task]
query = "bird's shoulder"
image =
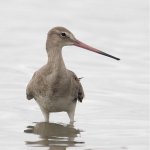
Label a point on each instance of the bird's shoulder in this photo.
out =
(38, 82)
(73, 75)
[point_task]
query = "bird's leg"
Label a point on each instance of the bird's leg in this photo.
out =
(71, 116)
(45, 114)
(71, 113)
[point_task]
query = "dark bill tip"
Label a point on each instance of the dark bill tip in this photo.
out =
(108, 55)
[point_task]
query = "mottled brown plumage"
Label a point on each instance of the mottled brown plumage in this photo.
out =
(54, 87)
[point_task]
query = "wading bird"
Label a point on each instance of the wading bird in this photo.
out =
(54, 87)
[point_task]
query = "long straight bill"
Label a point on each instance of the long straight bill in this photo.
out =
(85, 46)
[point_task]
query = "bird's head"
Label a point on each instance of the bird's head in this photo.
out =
(60, 36)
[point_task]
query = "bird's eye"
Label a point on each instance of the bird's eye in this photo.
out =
(63, 34)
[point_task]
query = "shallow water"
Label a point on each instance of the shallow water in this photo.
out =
(114, 113)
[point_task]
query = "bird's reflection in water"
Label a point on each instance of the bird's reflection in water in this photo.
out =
(55, 136)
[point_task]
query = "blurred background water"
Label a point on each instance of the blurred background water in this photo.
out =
(114, 113)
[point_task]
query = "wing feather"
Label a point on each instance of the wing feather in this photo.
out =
(29, 90)
(77, 87)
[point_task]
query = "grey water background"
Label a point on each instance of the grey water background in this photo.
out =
(114, 113)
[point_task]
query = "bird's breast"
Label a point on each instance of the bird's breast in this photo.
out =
(57, 105)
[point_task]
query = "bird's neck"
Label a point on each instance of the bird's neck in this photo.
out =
(55, 59)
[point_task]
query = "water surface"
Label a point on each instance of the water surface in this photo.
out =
(114, 113)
